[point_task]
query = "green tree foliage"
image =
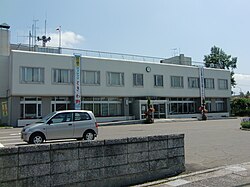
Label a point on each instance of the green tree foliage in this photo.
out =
(240, 106)
(219, 59)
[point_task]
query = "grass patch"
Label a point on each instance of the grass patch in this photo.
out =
(5, 126)
(245, 125)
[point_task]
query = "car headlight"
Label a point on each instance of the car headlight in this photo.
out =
(26, 130)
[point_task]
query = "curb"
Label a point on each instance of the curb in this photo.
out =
(244, 129)
(178, 177)
(228, 169)
(133, 122)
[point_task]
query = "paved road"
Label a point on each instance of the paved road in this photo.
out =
(208, 144)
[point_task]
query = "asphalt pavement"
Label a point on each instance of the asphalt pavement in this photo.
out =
(208, 144)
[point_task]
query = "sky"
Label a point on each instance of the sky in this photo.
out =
(158, 28)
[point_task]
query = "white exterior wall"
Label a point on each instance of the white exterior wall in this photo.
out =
(50, 61)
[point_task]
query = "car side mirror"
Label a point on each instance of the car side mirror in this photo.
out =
(50, 122)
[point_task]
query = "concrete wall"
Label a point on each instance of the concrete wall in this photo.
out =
(4, 76)
(119, 162)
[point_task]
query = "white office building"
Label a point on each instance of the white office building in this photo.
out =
(115, 87)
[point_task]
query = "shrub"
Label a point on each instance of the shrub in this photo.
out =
(245, 123)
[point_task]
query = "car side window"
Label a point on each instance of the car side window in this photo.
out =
(81, 116)
(61, 118)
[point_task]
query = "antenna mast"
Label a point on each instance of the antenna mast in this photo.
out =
(44, 38)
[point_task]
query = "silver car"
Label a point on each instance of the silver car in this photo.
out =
(67, 124)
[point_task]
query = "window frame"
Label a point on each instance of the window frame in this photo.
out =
(136, 80)
(121, 79)
(156, 80)
(194, 80)
(59, 72)
(24, 77)
(207, 82)
(173, 84)
(24, 101)
(223, 86)
(97, 77)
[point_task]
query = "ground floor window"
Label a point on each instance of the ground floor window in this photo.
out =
(182, 106)
(30, 107)
(103, 106)
(219, 105)
(60, 103)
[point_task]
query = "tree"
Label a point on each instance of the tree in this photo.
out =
(219, 59)
(240, 106)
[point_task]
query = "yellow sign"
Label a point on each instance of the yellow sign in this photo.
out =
(4, 109)
(77, 58)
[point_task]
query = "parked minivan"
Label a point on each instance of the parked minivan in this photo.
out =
(66, 124)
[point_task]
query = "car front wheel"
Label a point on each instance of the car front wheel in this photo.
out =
(36, 138)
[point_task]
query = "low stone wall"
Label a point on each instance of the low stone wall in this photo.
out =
(119, 162)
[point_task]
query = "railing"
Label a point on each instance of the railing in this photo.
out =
(92, 53)
(120, 56)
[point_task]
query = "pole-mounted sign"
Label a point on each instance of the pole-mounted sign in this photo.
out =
(77, 83)
(202, 83)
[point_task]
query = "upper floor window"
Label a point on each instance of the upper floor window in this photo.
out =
(177, 81)
(223, 84)
(61, 75)
(193, 82)
(91, 77)
(158, 80)
(115, 79)
(32, 75)
(137, 79)
(209, 83)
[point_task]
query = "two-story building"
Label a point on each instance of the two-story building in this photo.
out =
(33, 84)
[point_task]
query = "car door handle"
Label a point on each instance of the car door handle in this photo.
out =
(70, 124)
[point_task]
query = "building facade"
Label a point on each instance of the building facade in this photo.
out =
(33, 84)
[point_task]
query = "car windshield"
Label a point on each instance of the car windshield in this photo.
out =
(45, 118)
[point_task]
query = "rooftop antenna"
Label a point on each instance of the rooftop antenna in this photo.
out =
(33, 41)
(44, 38)
(45, 27)
(174, 52)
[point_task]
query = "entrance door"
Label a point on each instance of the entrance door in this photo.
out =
(160, 111)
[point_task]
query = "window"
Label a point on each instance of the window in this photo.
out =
(61, 75)
(182, 106)
(193, 82)
(209, 83)
(91, 77)
(81, 116)
(60, 103)
(138, 79)
(176, 81)
(62, 117)
(158, 80)
(30, 107)
(223, 84)
(103, 106)
(32, 75)
(115, 79)
(219, 105)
